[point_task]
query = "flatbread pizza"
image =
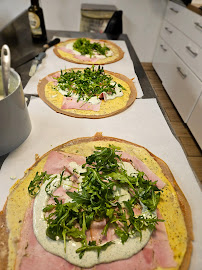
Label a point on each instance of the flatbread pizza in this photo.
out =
(87, 93)
(89, 51)
(96, 203)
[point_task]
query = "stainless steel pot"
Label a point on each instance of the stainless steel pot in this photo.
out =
(15, 124)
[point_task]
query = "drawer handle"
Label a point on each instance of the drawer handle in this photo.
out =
(181, 73)
(168, 30)
(192, 52)
(198, 25)
(174, 10)
(164, 49)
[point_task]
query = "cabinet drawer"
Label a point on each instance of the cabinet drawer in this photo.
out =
(195, 122)
(188, 51)
(186, 21)
(162, 60)
(174, 13)
(183, 87)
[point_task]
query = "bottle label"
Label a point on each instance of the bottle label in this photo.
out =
(34, 22)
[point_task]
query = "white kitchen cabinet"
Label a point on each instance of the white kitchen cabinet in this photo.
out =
(181, 84)
(178, 61)
(186, 21)
(185, 48)
(162, 60)
(195, 122)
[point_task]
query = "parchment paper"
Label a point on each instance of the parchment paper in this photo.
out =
(147, 128)
(52, 63)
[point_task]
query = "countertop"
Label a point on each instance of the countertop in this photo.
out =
(196, 8)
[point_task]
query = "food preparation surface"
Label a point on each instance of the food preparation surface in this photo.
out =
(159, 140)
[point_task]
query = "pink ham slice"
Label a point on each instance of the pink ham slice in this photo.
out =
(31, 255)
(51, 79)
(163, 254)
(103, 95)
(72, 103)
(95, 233)
(140, 166)
(137, 211)
(61, 193)
(85, 58)
(160, 232)
(140, 261)
(156, 253)
(58, 161)
(64, 49)
(96, 229)
(80, 57)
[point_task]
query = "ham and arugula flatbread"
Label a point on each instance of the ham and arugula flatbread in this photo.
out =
(87, 93)
(89, 51)
(96, 203)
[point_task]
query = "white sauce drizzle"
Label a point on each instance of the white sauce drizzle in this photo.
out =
(129, 168)
(116, 251)
(78, 169)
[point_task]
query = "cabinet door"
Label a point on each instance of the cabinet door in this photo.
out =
(181, 84)
(195, 122)
(174, 13)
(186, 21)
(183, 87)
(187, 50)
(162, 61)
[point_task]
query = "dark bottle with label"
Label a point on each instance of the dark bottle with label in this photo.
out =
(36, 22)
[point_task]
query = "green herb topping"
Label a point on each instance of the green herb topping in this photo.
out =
(39, 179)
(86, 84)
(36, 183)
(97, 200)
(84, 46)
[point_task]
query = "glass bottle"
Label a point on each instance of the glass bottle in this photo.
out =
(36, 22)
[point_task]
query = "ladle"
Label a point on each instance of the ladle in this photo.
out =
(5, 64)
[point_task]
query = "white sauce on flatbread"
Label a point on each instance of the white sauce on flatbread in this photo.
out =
(116, 251)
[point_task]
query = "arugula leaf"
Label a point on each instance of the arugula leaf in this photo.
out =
(49, 208)
(92, 246)
(122, 177)
(79, 198)
(50, 232)
(39, 179)
(47, 188)
(36, 183)
(122, 234)
(105, 159)
(84, 46)
(151, 201)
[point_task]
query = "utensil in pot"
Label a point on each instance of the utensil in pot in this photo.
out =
(5, 63)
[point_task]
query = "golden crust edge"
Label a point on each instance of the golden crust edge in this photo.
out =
(184, 205)
(119, 57)
(3, 239)
(42, 83)
(185, 208)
